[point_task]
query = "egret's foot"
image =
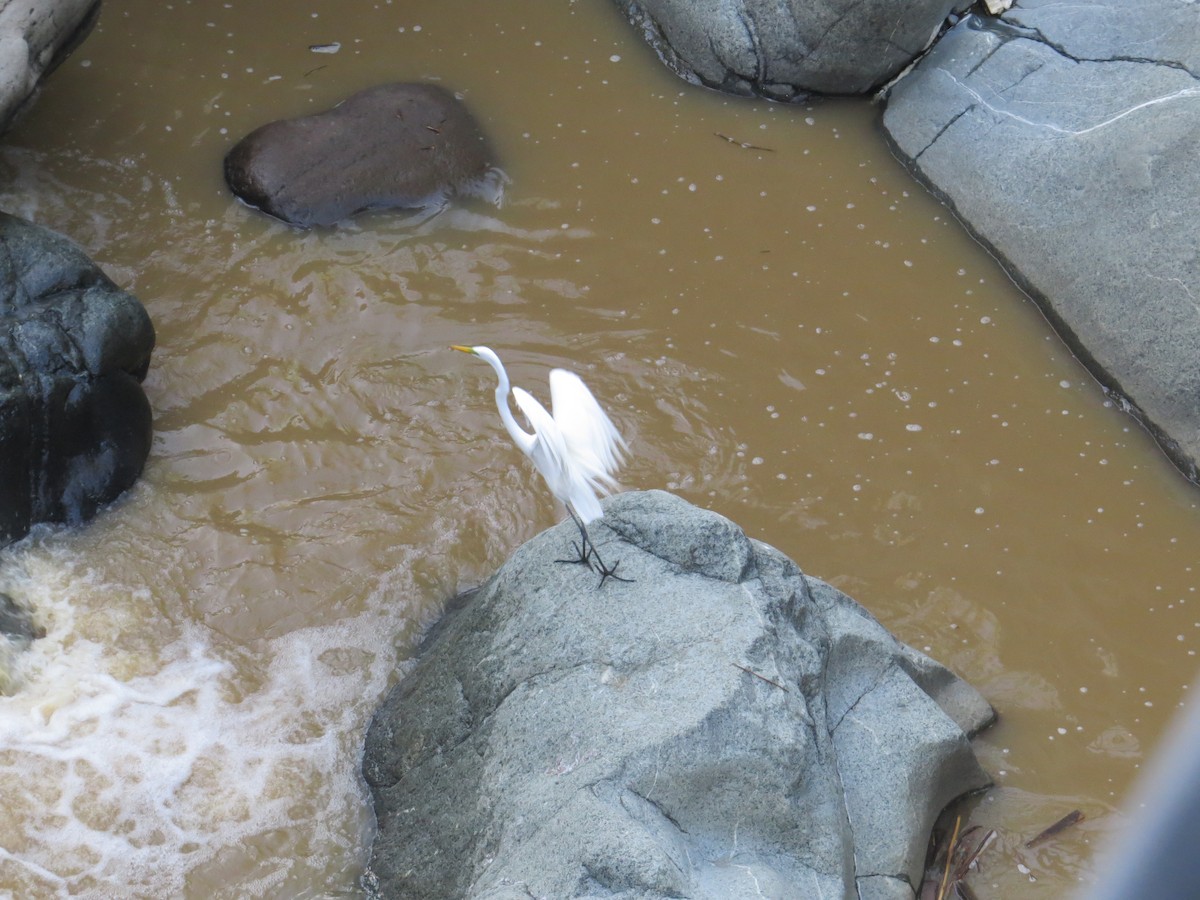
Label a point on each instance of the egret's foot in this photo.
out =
(583, 552)
(607, 572)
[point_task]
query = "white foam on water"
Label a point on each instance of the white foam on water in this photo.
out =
(191, 768)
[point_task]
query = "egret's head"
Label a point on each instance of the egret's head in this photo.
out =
(487, 354)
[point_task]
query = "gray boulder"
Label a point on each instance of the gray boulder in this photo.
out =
(17, 631)
(75, 425)
(789, 50)
(722, 726)
(35, 37)
(16, 622)
(1065, 135)
(405, 146)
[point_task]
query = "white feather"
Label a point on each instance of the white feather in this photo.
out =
(593, 442)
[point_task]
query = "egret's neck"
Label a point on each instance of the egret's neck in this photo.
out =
(520, 436)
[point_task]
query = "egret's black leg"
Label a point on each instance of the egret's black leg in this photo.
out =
(587, 553)
(604, 570)
(584, 547)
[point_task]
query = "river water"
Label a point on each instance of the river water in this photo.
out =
(784, 325)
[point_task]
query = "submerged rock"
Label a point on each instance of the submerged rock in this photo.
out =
(17, 632)
(16, 622)
(394, 146)
(35, 37)
(75, 425)
(721, 727)
(786, 51)
(1064, 136)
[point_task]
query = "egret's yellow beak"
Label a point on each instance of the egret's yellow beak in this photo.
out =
(462, 348)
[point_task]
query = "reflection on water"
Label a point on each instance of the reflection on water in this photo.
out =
(795, 336)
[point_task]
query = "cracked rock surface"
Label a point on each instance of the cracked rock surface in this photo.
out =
(786, 51)
(1064, 135)
(723, 726)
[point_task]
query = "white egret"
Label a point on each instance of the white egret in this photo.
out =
(577, 449)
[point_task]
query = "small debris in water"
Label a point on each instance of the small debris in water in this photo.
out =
(954, 860)
(743, 144)
(1074, 817)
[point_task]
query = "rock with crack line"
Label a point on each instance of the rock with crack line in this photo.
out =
(721, 724)
(787, 51)
(1064, 136)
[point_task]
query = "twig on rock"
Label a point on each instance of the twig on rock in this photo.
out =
(762, 677)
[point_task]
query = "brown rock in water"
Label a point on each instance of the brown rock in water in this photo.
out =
(393, 146)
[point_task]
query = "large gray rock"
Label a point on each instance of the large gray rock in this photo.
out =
(405, 146)
(35, 36)
(788, 50)
(1065, 136)
(719, 727)
(75, 425)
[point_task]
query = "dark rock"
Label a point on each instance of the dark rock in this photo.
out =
(17, 632)
(786, 51)
(395, 146)
(75, 425)
(35, 37)
(722, 727)
(1064, 136)
(16, 622)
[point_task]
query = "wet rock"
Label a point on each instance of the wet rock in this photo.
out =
(787, 51)
(35, 37)
(17, 632)
(16, 622)
(722, 727)
(75, 424)
(395, 146)
(1064, 136)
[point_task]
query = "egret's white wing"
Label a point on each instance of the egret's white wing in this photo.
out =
(552, 456)
(593, 443)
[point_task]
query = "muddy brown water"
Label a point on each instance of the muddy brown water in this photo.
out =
(796, 336)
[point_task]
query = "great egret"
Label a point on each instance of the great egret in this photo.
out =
(577, 449)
